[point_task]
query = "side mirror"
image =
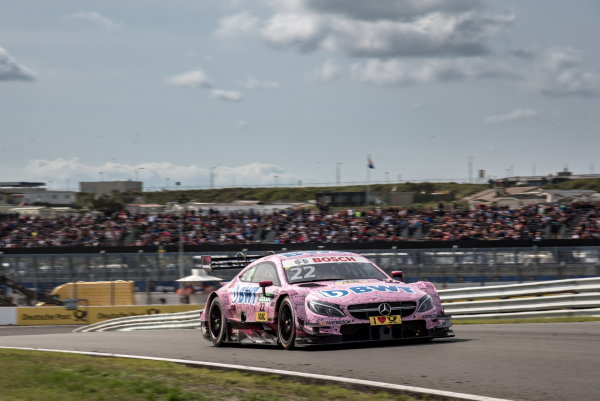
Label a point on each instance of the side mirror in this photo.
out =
(398, 274)
(263, 285)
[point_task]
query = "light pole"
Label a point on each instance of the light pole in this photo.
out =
(180, 255)
(471, 170)
(212, 177)
(338, 179)
(101, 174)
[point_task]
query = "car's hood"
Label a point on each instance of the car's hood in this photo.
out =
(348, 292)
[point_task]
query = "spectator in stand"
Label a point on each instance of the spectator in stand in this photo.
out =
(303, 226)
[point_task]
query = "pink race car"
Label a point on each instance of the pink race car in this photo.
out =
(320, 297)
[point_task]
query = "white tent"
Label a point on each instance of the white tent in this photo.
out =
(199, 275)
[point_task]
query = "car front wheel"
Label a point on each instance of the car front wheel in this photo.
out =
(286, 324)
(216, 323)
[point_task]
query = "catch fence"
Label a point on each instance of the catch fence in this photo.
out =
(447, 267)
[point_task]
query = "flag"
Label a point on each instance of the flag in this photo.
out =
(370, 162)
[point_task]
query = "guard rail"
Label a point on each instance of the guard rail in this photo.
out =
(559, 298)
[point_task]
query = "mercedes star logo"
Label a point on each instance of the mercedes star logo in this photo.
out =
(385, 309)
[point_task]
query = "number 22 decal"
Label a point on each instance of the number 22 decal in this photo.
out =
(299, 273)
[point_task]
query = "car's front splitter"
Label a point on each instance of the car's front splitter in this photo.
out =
(352, 333)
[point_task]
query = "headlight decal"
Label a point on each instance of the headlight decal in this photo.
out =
(425, 303)
(325, 309)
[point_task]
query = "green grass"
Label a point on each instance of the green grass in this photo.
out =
(529, 320)
(50, 376)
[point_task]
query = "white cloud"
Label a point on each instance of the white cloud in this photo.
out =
(434, 34)
(561, 72)
(306, 32)
(229, 96)
(252, 83)
(238, 24)
(326, 72)
(95, 18)
(387, 9)
(191, 79)
(12, 70)
(153, 174)
(396, 72)
(377, 28)
(517, 114)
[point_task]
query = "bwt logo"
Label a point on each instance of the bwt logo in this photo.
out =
(245, 295)
(365, 289)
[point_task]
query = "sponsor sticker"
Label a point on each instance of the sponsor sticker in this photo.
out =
(307, 259)
(385, 320)
(365, 289)
(262, 316)
(334, 322)
(245, 295)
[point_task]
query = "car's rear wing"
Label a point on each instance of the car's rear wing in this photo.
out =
(221, 262)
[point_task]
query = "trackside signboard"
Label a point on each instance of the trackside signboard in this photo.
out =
(51, 315)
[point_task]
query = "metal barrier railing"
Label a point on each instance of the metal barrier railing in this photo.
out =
(445, 267)
(562, 298)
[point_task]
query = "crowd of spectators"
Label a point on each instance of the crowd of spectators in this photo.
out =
(303, 226)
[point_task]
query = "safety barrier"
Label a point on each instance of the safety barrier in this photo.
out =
(181, 320)
(528, 289)
(560, 298)
(84, 315)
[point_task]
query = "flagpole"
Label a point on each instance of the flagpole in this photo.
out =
(369, 164)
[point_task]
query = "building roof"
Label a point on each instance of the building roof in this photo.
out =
(22, 184)
(570, 192)
(488, 195)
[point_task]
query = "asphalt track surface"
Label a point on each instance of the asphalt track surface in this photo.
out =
(545, 362)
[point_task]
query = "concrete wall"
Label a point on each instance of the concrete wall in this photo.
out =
(402, 198)
(50, 197)
(8, 316)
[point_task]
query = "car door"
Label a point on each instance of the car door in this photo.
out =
(264, 309)
(247, 299)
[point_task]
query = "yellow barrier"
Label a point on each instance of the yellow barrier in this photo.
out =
(98, 293)
(52, 315)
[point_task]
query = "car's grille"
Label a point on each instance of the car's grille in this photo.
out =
(363, 311)
(366, 332)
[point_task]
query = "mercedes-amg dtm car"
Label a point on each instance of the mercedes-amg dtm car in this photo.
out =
(320, 297)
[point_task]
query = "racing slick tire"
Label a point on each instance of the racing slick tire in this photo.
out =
(216, 323)
(286, 324)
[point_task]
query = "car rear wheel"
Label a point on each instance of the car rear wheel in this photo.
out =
(286, 324)
(216, 323)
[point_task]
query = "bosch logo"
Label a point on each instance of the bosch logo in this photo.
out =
(385, 309)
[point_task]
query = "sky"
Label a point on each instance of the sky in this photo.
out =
(231, 93)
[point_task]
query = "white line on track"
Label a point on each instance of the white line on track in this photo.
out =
(345, 380)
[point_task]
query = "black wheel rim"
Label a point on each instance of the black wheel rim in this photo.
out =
(286, 323)
(215, 321)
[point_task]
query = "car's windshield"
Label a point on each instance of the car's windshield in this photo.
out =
(332, 271)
